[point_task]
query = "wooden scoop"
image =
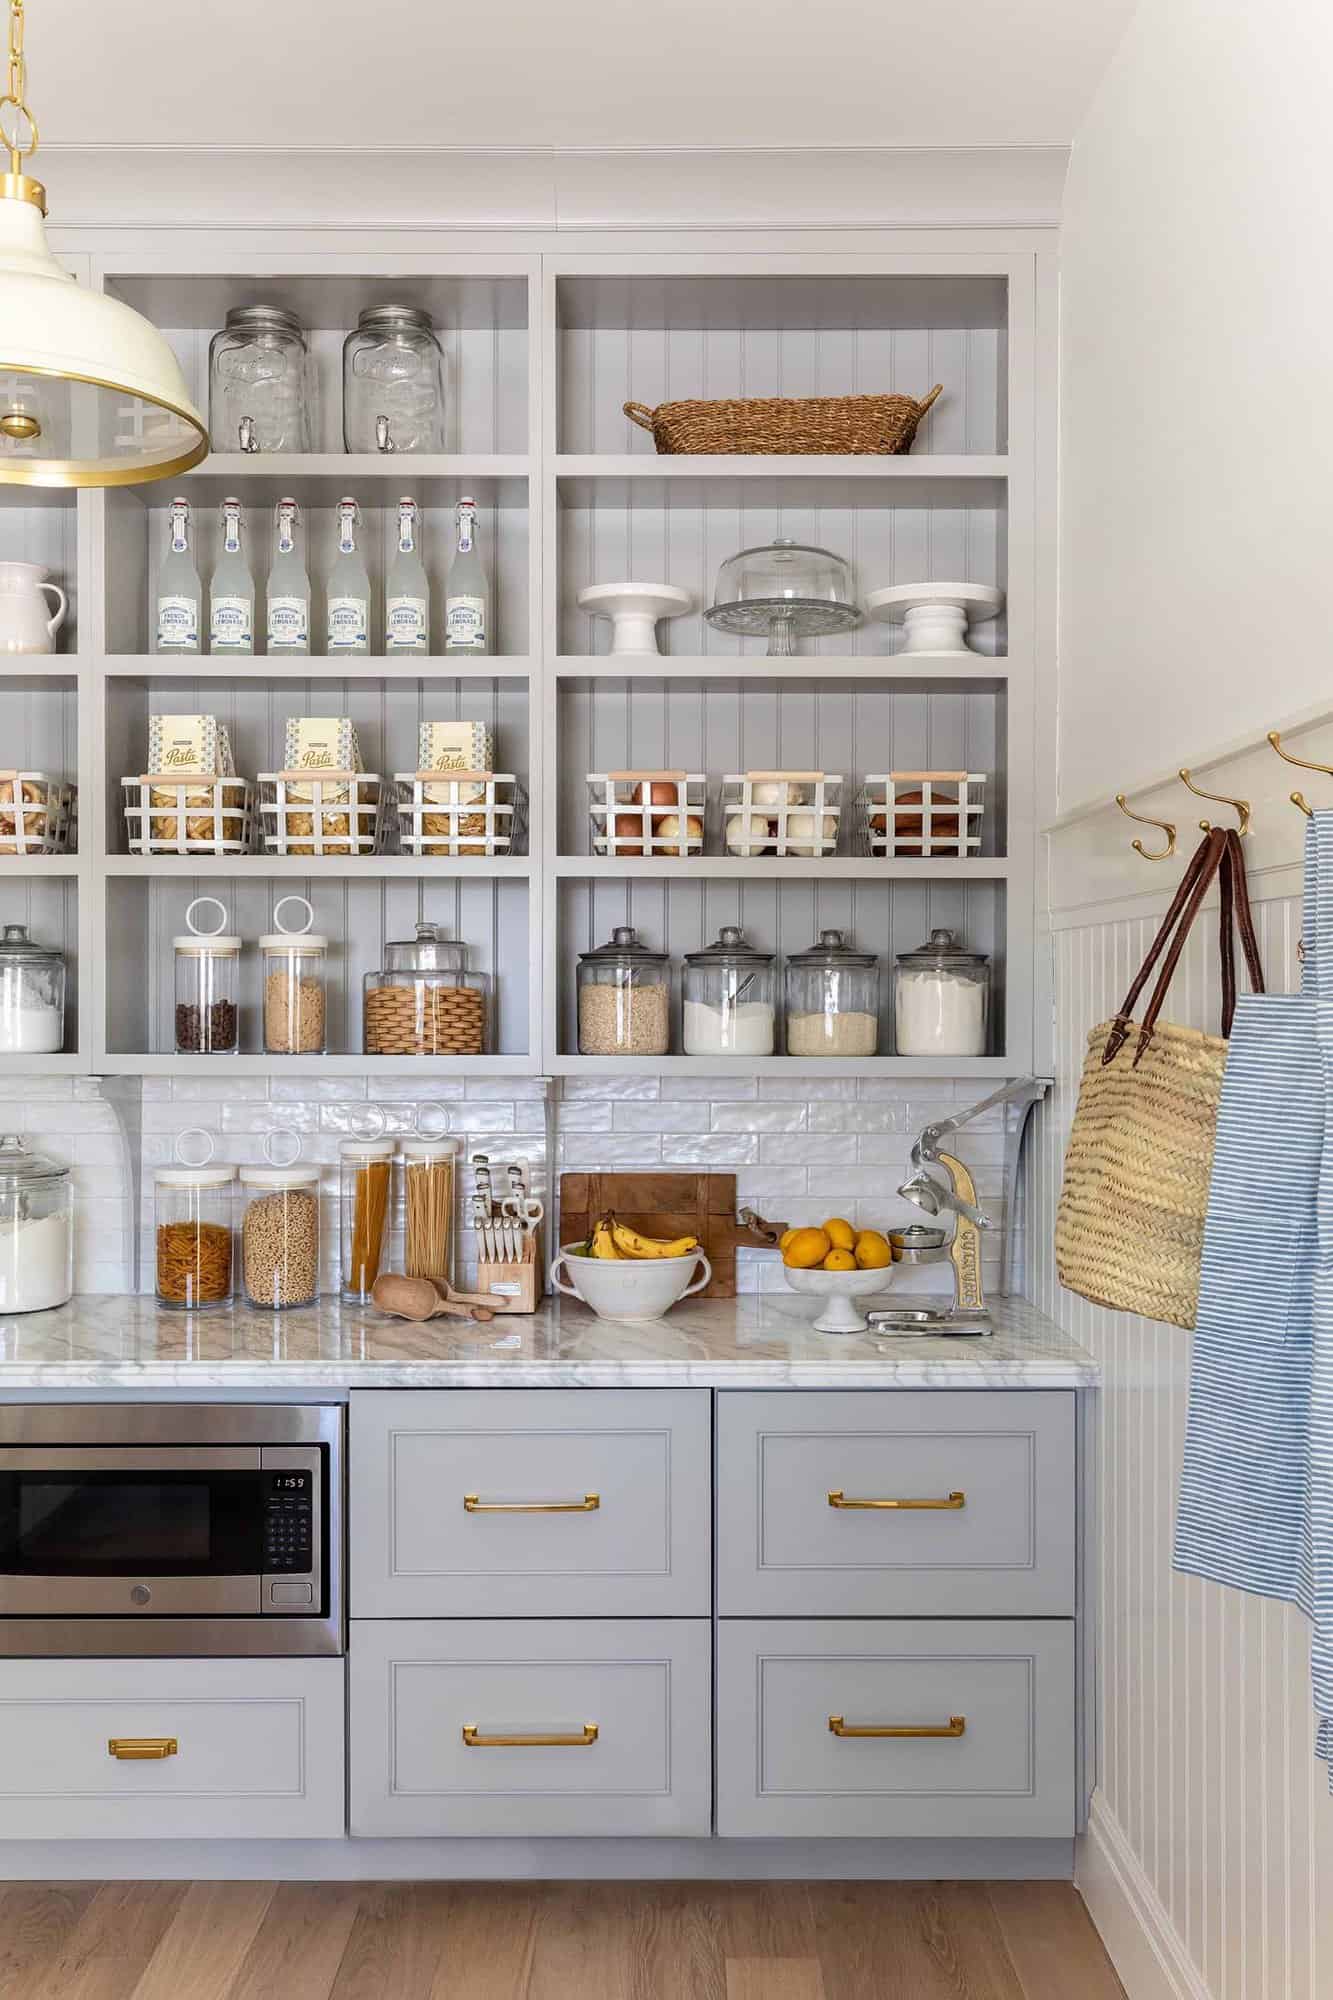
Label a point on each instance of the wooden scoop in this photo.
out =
(418, 1299)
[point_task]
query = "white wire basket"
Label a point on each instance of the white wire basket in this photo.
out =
(38, 814)
(782, 813)
(467, 812)
(653, 813)
(334, 812)
(189, 813)
(923, 813)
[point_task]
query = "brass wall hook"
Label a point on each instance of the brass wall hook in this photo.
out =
(1163, 826)
(1240, 806)
(1298, 798)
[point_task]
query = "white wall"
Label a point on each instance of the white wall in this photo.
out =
(1197, 389)
(1197, 392)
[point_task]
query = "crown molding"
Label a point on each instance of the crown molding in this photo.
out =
(556, 189)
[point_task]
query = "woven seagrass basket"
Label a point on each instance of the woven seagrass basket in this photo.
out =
(785, 425)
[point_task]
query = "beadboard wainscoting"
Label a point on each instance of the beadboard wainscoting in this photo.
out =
(1212, 1823)
(801, 1149)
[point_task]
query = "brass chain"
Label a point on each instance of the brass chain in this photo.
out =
(14, 98)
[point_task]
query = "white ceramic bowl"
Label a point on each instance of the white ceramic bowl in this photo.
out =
(839, 1290)
(630, 1288)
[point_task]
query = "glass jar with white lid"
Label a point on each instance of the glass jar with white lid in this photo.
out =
(32, 995)
(729, 998)
(36, 1230)
(941, 999)
(365, 1169)
(430, 1189)
(193, 1222)
(207, 985)
(293, 963)
(280, 1229)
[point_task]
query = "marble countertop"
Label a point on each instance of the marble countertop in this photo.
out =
(107, 1342)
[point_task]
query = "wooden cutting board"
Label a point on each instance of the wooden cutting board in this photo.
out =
(665, 1205)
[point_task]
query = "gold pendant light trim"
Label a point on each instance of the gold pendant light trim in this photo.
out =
(61, 472)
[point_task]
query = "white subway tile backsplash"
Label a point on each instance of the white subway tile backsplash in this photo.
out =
(266, 1117)
(605, 1149)
(713, 1089)
(759, 1117)
(713, 1149)
(640, 1088)
(664, 1117)
(855, 1118)
(805, 1089)
(812, 1148)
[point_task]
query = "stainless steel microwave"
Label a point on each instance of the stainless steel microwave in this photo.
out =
(170, 1528)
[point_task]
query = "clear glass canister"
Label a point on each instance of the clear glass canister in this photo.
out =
(941, 999)
(424, 1001)
(32, 995)
(624, 998)
(294, 1005)
(36, 1230)
(832, 999)
(259, 382)
(280, 1236)
(207, 993)
(730, 998)
(365, 1187)
(193, 1222)
(393, 382)
(430, 1183)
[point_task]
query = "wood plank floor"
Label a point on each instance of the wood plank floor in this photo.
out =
(550, 1941)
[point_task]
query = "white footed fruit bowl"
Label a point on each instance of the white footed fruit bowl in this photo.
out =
(634, 609)
(839, 1290)
(936, 616)
(629, 1287)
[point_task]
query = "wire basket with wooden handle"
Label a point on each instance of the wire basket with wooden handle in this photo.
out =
(786, 426)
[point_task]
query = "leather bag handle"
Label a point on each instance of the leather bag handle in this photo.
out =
(1190, 892)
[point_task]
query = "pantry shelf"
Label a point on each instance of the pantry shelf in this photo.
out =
(334, 867)
(775, 868)
(727, 465)
(41, 865)
(882, 1066)
(319, 667)
(431, 1069)
(224, 470)
(899, 672)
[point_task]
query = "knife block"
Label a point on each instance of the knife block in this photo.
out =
(513, 1286)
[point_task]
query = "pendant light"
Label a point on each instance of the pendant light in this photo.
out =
(90, 393)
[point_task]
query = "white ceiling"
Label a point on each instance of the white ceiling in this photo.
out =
(439, 73)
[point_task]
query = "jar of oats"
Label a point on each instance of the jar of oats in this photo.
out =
(280, 1236)
(624, 998)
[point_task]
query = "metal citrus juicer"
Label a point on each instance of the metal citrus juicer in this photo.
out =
(940, 1182)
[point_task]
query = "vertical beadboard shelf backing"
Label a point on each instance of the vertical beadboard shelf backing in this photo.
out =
(543, 343)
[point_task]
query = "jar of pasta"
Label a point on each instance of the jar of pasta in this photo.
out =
(365, 1179)
(293, 964)
(192, 1217)
(430, 1180)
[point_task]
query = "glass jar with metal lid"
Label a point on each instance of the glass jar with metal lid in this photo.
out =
(730, 992)
(208, 965)
(393, 382)
(193, 1222)
(32, 995)
(36, 1230)
(624, 998)
(941, 999)
(424, 1001)
(258, 382)
(832, 999)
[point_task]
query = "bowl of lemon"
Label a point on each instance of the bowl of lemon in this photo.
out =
(838, 1265)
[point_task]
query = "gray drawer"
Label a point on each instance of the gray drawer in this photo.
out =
(627, 1700)
(988, 1478)
(544, 1503)
(1001, 1692)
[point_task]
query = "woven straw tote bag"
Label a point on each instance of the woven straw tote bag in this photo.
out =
(1129, 1228)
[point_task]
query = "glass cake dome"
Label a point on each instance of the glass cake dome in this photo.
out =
(783, 591)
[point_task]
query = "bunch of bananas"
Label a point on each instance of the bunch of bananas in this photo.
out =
(616, 1240)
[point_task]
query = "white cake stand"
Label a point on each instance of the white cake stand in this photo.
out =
(936, 615)
(838, 1292)
(634, 609)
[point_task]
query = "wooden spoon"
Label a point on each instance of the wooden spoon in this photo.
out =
(418, 1299)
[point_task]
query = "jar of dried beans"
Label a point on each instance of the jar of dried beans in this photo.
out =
(280, 1236)
(207, 982)
(193, 1231)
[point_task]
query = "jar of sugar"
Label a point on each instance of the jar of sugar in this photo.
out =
(36, 1230)
(941, 999)
(32, 995)
(730, 998)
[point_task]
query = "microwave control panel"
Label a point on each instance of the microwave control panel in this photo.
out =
(293, 1507)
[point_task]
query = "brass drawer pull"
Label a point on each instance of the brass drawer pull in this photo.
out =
(474, 1740)
(953, 1727)
(950, 1504)
(473, 1504)
(142, 1749)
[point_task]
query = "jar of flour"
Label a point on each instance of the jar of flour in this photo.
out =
(36, 1230)
(941, 999)
(32, 995)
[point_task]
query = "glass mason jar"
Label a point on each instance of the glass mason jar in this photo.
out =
(424, 1001)
(207, 994)
(941, 999)
(393, 382)
(192, 1217)
(36, 1230)
(365, 1183)
(32, 995)
(430, 1182)
(294, 1000)
(832, 999)
(624, 998)
(280, 1236)
(730, 998)
(259, 382)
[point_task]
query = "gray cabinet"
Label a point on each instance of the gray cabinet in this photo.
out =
(546, 1503)
(897, 1502)
(834, 1727)
(531, 1726)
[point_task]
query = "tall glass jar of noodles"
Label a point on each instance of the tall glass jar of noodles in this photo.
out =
(430, 1188)
(365, 1185)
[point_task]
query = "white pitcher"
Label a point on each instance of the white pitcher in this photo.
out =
(24, 624)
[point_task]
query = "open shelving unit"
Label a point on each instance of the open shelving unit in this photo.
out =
(542, 347)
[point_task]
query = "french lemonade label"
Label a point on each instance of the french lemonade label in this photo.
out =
(465, 622)
(288, 621)
(178, 622)
(232, 622)
(405, 624)
(348, 623)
